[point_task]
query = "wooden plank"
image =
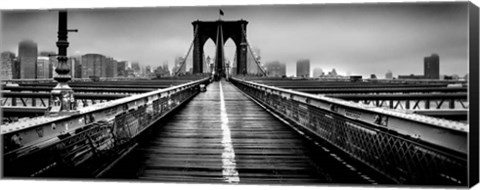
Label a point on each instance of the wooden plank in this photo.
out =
(188, 147)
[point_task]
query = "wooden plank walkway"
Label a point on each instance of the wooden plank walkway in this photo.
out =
(223, 136)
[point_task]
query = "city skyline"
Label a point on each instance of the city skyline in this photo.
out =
(357, 39)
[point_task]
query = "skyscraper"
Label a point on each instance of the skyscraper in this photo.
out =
(431, 67)
(93, 65)
(102, 66)
(115, 68)
(276, 69)
(52, 62)
(7, 66)
(303, 68)
(317, 72)
(111, 67)
(43, 67)
(27, 56)
(16, 69)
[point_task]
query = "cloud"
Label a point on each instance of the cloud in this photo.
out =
(359, 38)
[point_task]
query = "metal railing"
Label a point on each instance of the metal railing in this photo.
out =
(407, 148)
(86, 141)
(50, 80)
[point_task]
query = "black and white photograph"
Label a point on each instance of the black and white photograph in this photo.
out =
(369, 94)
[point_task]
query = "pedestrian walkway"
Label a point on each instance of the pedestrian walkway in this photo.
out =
(223, 136)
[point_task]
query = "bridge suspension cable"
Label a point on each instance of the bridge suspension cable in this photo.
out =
(188, 53)
(251, 52)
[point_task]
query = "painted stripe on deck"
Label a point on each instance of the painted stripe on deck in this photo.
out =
(230, 173)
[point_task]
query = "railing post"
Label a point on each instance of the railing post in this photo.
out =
(427, 104)
(63, 102)
(452, 104)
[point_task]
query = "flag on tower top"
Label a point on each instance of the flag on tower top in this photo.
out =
(221, 12)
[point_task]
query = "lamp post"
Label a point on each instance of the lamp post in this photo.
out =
(62, 101)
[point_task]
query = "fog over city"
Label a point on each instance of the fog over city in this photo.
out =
(355, 94)
(352, 38)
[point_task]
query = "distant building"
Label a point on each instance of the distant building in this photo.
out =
(208, 62)
(115, 68)
(27, 56)
(373, 76)
(166, 69)
(16, 69)
(111, 65)
(142, 71)
(76, 67)
(43, 67)
(77, 64)
(412, 76)
(52, 59)
(103, 66)
(317, 72)
(130, 72)
(303, 68)
(148, 69)
(7, 67)
(162, 71)
(122, 69)
(93, 65)
(389, 75)
(158, 72)
(332, 73)
(276, 69)
(432, 67)
(136, 68)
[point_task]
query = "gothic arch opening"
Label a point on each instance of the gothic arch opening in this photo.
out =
(230, 49)
(208, 55)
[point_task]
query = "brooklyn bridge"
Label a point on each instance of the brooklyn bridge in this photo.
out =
(231, 127)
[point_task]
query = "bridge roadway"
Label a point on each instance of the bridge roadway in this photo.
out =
(223, 136)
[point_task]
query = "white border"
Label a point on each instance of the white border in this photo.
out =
(58, 4)
(83, 185)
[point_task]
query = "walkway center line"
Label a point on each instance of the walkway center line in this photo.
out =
(230, 173)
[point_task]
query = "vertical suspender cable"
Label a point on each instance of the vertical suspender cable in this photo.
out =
(253, 55)
(188, 53)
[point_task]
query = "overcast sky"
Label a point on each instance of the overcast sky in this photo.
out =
(352, 38)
